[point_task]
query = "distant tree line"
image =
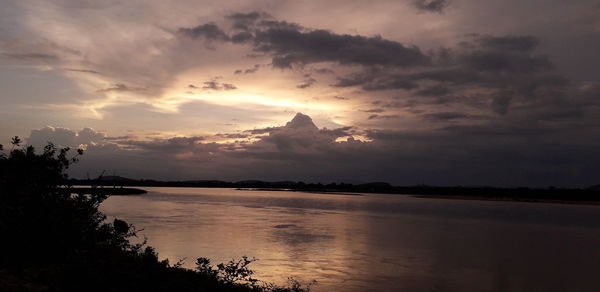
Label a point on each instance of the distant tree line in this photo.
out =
(591, 194)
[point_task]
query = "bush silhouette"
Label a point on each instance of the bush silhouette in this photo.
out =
(53, 240)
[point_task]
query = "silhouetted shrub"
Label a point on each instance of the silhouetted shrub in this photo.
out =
(53, 240)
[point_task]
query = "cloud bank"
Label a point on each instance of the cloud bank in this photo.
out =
(301, 151)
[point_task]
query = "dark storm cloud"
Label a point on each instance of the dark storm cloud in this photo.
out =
(339, 132)
(481, 62)
(291, 44)
(437, 90)
(430, 5)
(445, 116)
(589, 94)
(508, 43)
(500, 104)
(374, 80)
(505, 70)
(505, 61)
(323, 71)
(209, 31)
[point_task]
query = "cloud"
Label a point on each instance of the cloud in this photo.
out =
(377, 79)
(228, 86)
(29, 56)
(216, 86)
(500, 104)
(431, 5)
(341, 97)
(245, 21)
(445, 116)
(248, 71)
(508, 43)
(382, 117)
(262, 130)
(456, 154)
(308, 82)
(232, 135)
(375, 110)
(437, 90)
(208, 31)
(503, 70)
(83, 71)
(168, 145)
(291, 44)
(119, 87)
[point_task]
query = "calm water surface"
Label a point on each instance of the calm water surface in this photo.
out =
(375, 242)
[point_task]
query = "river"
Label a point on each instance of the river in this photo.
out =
(374, 242)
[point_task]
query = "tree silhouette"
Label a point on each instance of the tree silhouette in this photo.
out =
(54, 239)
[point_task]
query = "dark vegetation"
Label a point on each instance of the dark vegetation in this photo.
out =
(588, 195)
(53, 240)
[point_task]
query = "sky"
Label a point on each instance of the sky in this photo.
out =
(437, 92)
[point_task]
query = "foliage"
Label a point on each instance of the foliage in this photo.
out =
(234, 272)
(58, 241)
(237, 273)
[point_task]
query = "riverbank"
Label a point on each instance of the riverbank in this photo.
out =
(109, 191)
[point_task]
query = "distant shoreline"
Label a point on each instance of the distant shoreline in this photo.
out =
(499, 199)
(447, 197)
(588, 196)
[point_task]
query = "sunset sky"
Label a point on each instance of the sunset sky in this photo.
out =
(439, 92)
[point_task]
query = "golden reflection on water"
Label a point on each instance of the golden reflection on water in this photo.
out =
(371, 242)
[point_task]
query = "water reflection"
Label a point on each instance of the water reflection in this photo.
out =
(375, 242)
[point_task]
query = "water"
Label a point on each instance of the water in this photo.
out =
(374, 242)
